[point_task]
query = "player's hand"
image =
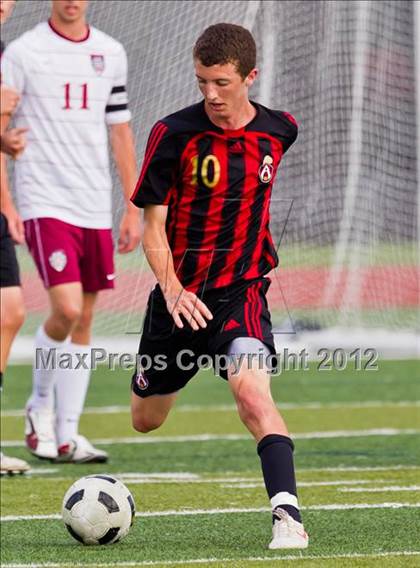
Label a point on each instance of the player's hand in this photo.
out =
(13, 142)
(183, 303)
(9, 99)
(130, 232)
(16, 227)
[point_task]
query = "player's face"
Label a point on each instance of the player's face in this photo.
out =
(223, 88)
(6, 9)
(69, 10)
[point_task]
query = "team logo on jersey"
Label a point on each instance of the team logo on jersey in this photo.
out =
(58, 260)
(141, 381)
(98, 63)
(265, 173)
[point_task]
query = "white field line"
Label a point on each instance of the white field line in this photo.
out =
(193, 512)
(304, 470)
(160, 475)
(242, 483)
(212, 560)
(42, 471)
(178, 476)
(234, 482)
(386, 489)
(118, 409)
(306, 405)
(236, 437)
(186, 477)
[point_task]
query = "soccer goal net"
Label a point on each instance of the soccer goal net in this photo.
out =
(345, 208)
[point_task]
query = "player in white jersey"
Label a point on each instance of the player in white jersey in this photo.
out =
(73, 83)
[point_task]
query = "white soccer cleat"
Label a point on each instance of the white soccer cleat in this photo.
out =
(80, 450)
(11, 466)
(287, 533)
(40, 434)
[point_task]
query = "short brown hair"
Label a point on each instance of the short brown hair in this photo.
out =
(227, 43)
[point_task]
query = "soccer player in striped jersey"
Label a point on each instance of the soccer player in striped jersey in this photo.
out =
(205, 186)
(73, 83)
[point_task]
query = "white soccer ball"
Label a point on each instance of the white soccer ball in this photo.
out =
(98, 509)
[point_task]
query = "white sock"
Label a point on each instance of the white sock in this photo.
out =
(44, 374)
(70, 392)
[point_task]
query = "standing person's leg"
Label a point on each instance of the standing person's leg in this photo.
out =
(12, 307)
(12, 316)
(96, 265)
(71, 388)
(50, 344)
(56, 247)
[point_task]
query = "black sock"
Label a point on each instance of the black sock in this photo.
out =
(1, 380)
(276, 454)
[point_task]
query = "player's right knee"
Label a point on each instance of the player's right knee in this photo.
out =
(254, 406)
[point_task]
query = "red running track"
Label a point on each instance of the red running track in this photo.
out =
(381, 287)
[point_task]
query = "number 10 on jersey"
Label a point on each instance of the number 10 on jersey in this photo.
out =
(69, 89)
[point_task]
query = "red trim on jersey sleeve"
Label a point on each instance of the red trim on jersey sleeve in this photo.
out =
(155, 137)
(291, 118)
(54, 29)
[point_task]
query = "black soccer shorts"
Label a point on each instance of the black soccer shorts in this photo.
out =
(169, 356)
(9, 269)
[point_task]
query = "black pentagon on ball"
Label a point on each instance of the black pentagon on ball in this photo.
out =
(75, 498)
(108, 501)
(109, 535)
(74, 534)
(132, 507)
(105, 477)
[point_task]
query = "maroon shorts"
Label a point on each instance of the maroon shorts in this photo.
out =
(65, 253)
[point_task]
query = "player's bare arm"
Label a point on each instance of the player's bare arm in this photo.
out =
(122, 143)
(7, 206)
(9, 99)
(179, 301)
(13, 142)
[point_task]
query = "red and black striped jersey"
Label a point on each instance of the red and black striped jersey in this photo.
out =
(217, 186)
